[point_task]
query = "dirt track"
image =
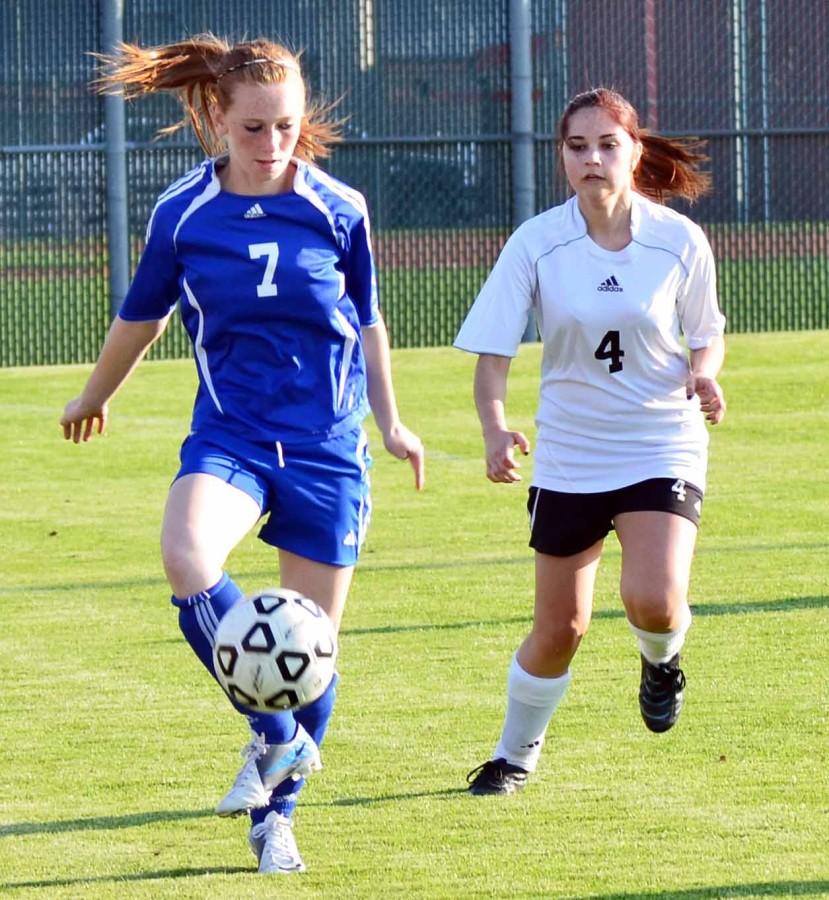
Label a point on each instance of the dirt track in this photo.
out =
(460, 249)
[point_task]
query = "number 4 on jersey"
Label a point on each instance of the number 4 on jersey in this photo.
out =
(609, 349)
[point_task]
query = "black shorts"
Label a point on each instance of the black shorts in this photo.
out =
(564, 524)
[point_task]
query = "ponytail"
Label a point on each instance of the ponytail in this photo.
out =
(668, 168)
(203, 72)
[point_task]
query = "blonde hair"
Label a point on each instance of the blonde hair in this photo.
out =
(203, 71)
(668, 167)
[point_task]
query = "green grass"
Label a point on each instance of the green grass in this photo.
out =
(54, 306)
(116, 746)
(774, 294)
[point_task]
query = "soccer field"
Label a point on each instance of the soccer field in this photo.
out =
(116, 745)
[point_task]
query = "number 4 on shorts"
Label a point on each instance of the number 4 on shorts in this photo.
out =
(678, 487)
(609, 348)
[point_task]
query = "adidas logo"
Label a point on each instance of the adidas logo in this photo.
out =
(255, 212)
(610, 284)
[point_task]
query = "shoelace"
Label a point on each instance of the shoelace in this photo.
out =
(278, 828)
(666, 679)
(256, 746)
(251, 752)
(490, 768)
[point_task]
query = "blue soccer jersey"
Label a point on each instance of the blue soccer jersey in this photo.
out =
(273, 292)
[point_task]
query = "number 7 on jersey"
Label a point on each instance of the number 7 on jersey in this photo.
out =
(267, 286)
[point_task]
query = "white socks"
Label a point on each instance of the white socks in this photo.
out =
(531, 702)
(659, 648)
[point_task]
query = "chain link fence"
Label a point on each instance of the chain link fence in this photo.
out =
(426, 92)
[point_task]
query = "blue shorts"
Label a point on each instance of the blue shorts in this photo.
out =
(316, 496)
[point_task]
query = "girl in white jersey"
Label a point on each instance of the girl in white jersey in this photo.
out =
(271, 261)
(615, 280)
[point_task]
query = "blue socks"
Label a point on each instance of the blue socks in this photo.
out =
(198, 619)
(199, 616)
(314, 718)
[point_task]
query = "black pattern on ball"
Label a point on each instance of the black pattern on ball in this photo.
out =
(259, 639)
(267, 603)
(285, 699)
(226, 657)
(275, 650)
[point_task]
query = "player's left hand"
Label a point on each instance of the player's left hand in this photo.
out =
(405, 444)
(711, 399)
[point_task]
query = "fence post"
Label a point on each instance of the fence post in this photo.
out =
(521, 122)
(117, 223)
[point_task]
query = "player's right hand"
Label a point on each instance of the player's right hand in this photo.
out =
(501, 464)
(79, 418)
(405, 444)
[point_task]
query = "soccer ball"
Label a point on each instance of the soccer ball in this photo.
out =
(275, 650)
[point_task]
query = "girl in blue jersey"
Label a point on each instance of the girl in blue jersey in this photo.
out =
(270, 261)
(624, 293)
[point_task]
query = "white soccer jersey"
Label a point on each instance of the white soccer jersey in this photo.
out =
(612, 408)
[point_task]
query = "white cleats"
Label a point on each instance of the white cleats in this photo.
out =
(266, 766)
(273, 844)
(248, 791)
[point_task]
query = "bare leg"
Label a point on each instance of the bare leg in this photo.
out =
(657, 550)
(539, 673)
(563, 606)
(204, 520)
(326, 585)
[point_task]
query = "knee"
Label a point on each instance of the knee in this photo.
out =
(186, 570)
(655, 606)
(555, 644)
(176, 559)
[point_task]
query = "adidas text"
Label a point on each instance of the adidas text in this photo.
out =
(610, 284)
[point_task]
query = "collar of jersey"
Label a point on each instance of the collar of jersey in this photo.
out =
(216, 162)
(635, 214)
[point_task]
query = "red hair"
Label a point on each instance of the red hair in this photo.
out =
(203, 71)
(668, 167)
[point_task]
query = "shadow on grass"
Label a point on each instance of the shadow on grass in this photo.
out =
(367, 566)
(789, 604)
(611, 550)
(159, 586)
(120, 879)
(111, 823)
(784, 604)
(771, 888)
(103, 823)
(386, 798)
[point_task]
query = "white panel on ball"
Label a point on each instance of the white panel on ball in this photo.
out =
(275, 650)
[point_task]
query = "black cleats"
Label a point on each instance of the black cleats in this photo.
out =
(660, 693)
(496, 776)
